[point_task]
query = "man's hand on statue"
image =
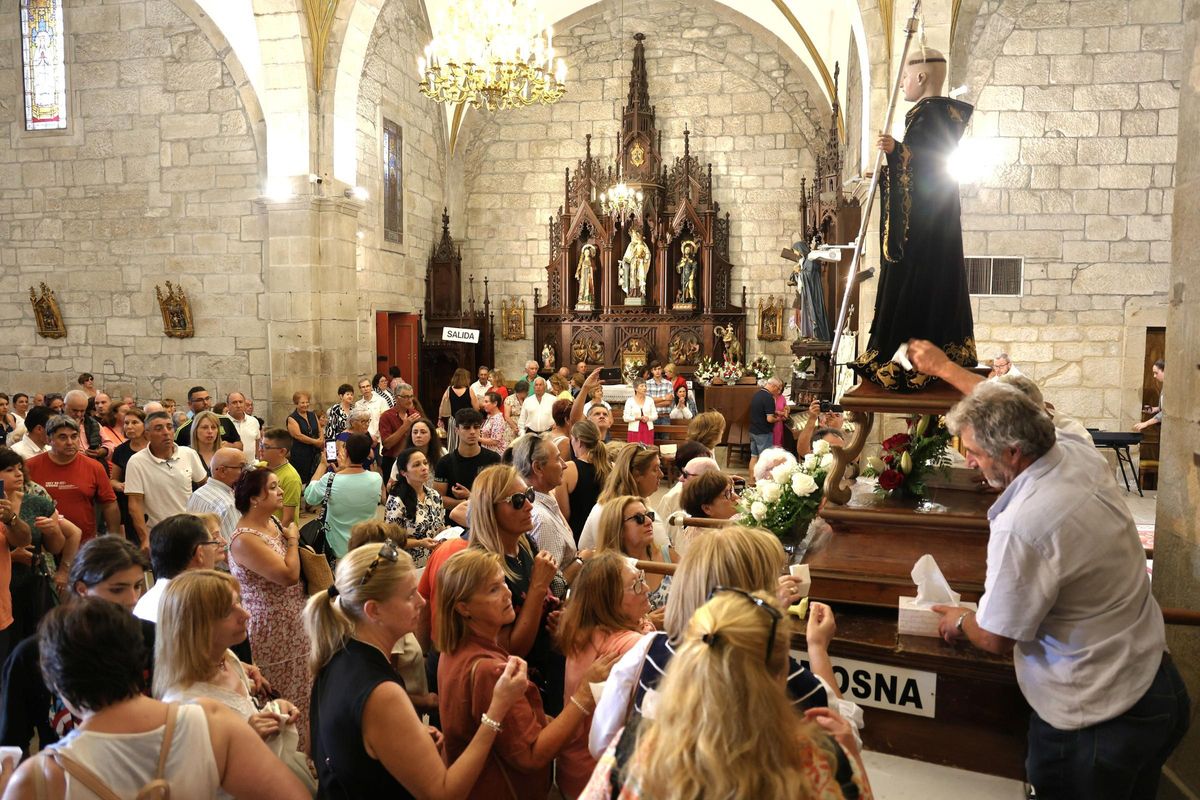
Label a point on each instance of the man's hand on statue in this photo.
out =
(927, 357)
(886, 143)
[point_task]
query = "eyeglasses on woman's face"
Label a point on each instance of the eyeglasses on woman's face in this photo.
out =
(775, 614)
(518, 500)
(639, 583)
(641, 518)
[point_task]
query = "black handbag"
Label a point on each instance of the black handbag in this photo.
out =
(314, 534)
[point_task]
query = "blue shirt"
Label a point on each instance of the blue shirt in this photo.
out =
(354, 499)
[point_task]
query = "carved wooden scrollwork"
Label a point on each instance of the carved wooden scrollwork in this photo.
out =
(588, 346)
(684, 348)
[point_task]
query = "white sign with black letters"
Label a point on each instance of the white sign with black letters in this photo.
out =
(460, 335)
(907, 691)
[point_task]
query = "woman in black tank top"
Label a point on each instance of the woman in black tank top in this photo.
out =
(584, 475)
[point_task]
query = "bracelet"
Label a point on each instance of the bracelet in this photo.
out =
(579, 705)
(958, 626)
(491, 723)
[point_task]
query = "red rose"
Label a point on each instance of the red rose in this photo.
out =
(897, 443)
(888, 458)
(891, 479)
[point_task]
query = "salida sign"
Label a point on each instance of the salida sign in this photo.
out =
(460, 335)
(907, 691)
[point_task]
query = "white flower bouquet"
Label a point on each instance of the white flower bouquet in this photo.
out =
(788, 500)
(762, 367)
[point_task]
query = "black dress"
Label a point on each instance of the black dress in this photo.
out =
(304, 455)
(120, 458)
(922, 282)
(583, 497)
(339, 696)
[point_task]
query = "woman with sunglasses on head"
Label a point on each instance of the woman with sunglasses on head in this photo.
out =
(627, 526)
(367, 739)
(265, 559)
(747, 558)
(709, 495)
(605, 616)
(501, 519)
(723, 726)
(107, 567)
(636, 471)
(475, 608)
(415, 505)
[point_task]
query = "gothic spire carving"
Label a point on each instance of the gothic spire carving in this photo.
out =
(639, 85)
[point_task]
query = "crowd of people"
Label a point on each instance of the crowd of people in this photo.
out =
(504, 614)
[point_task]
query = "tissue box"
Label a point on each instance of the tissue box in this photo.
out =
(917, 621)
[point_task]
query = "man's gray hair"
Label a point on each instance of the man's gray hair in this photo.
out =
(1000, 417)
(75, 394)
(773, 380)
(358, 414)
(401, 386)
(1024, 385)
(528, 451)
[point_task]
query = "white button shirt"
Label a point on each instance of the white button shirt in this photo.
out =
(1066, 579)
(535, 414)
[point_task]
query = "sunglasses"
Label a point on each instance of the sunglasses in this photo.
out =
(518, 500)
(388, 550)
(775, 614)
(641, 517)
(213, 543)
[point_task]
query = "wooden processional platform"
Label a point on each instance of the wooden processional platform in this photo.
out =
(922, 698)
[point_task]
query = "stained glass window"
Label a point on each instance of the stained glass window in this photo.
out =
(393, 182)
(43, 50)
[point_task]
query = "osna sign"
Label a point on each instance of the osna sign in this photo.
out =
(907, 691)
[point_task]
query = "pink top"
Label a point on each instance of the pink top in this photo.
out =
(575, 763)
(780, 412)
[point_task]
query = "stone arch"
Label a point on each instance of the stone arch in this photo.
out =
(345, 55)
(232, 60)
(874, 51)
(287, 77)
(978, 40)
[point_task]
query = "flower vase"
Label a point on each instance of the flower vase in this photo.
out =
(794, 541)
(718, 381)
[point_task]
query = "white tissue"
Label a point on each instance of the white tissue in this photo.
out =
(932, 587)
(453, 532)
(901, 356)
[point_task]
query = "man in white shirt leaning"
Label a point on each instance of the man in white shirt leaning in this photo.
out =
(536, 414)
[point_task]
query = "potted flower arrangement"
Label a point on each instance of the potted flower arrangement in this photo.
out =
(762, 368)
(909, 458)
(788, 500)
(706, 370)
(731, 371)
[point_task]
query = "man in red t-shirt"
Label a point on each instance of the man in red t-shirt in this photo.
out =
(394, 425)
(77, 483)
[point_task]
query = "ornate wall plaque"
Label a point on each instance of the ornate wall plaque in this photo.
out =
(45, 311)
(685, 348)
(512, 320)
(770, 319)
(176, 311)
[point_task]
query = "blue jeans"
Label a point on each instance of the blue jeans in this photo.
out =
(1120, 759)
(760, 442)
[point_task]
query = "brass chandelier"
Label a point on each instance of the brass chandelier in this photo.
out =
(621, 201)
(493, 55)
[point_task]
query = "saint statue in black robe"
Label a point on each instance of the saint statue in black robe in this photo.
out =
(923, 284)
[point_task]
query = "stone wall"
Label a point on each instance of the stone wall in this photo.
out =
(153, 182)
(392, 276)
(753, 110)
(1081, 99)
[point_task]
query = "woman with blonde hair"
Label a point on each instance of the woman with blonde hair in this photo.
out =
(627, 527)
(724, 727)
(200, 619)
(501, 519)
(205, 433)
(605, 616)
(367, 739)
(474, 607)
(636, 471)
(747, 558)
(707, 428)
(584, 474)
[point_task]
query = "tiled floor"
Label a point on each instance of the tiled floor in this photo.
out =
(895, 778)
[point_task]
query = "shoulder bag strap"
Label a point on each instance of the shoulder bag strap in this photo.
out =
(168, 735)
(84, 775)
(491, 753)
(325, 504)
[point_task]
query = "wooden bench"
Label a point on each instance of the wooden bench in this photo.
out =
(675, 434)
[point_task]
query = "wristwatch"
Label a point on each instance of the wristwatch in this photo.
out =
(958, 626)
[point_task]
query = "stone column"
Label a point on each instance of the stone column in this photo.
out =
(1177, 526)
(312, 298)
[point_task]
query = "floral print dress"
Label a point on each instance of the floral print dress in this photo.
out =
(430, 521)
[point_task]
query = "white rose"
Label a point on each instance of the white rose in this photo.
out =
(769, 491)
(803, 485)
(810, 462)
(827, 461)
(758, 510)
(780, 473)
(820, 447)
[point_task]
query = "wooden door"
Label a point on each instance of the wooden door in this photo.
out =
(397, 337)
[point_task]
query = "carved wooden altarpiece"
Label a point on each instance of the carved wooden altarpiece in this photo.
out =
(679, 208)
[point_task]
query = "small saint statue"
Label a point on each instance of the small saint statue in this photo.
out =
(922, 283)
(733, 348)
(585, 273)
(635, 265)
(548, 357)
(810, 316)
(687, 274)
